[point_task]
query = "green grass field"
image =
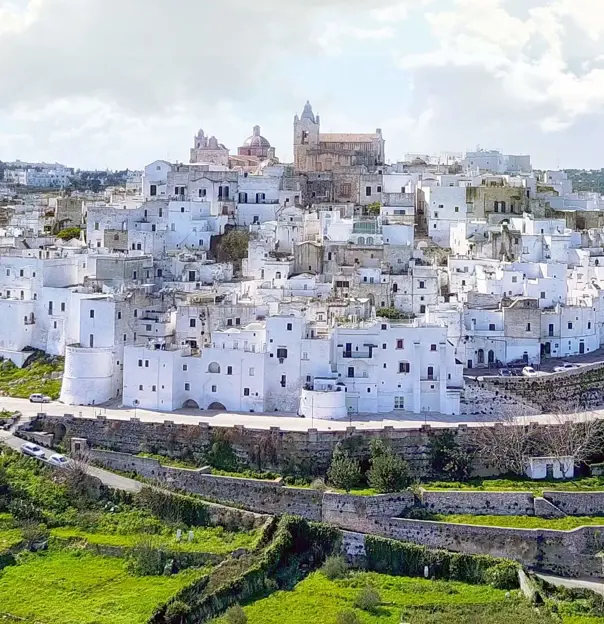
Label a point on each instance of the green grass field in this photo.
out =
(582, 484)
(214, 540)
(523, 522)
(73, 587)
(417, 601)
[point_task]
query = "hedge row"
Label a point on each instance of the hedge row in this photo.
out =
(405, 559)
(297, 546)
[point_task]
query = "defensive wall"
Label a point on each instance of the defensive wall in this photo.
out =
(567, 553)
(580, 387)
(264, 449)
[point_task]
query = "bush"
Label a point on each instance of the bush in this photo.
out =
(388, 472)
(335, 567)
(175, 508)
(24, 510)
(69, 233)
(145, 560)
(33, 532)
(368, 599)
(319, 485)
(347, 617)
(344, 472)
(502, 575)
(236, 615)
(177, 611)
(221, 455)
(447, 459)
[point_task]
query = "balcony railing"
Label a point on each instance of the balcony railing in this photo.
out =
(357, 355)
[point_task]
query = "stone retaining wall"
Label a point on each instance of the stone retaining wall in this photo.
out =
(478, 503)
(577, 503)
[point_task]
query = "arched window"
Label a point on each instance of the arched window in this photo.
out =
(361, 240)
(491, 356)
(481, 356)
(278, 275)
(214, 367)
(370, 240)
(502, 206)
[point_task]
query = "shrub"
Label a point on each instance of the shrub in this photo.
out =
(221, 455)
(368, 599)
(335, 567)
(319, 485)
(33, 532)
(69, 233)
(502, 575)
(173, 507)
(344, 472)
(145, 560)
(236, 615)
(24, 510)
(177, 611)
(447, 459)
(388, 472)
(347, 617)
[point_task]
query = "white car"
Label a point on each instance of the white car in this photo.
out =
(39, 398)
(565, 366)
(58, 460)
(529, 371)
(33, 450)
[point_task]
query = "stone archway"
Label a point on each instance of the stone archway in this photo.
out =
(59, 433)
(190, 404)
(217, 406)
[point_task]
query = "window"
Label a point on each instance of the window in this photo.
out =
(148, 327)
(350, 372)
(456, 208)
(400, 343)
(422, 284)
(368, 191)
(229, 322)
(91, 313)
(433, 347)
(282, 353)
(514, 279)
(246, 392)
(119, 315)
(146, 363)
(491, 326)
(185, 367)
(570, 326)
(589, 325)
(283, 381)
(153, 190)
(54, 324)
(229, 370)
(399, 403)
(368, 389)
(160, 273)
(140, 388)
(140, 363)
(192, 323)
(187, 386)
(96, 225)
(542, 294)
(384, 327)
(182, 209)
(430, 372)
(91, 341)
(528, 327)
(289, 327)
(63, 307)
(237, 321)
(251, 372)
(214, 368)
(21, 273)
(153, 388)
(202, 192)
(384, 346)
(379, 189)
(404, 367)
(436, 215)
(135, 313)
(214, 388)
(422, 309)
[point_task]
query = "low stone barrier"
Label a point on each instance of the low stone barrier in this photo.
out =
(478, 503)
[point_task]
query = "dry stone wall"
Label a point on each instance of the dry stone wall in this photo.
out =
(478, 503)
(577, 503)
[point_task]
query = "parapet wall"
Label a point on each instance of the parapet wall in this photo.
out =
(478, 503)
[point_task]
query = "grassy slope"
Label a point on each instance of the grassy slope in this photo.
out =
(523, 522)
(208, 540)
(318, 600)
(21, 382)
(66, 587)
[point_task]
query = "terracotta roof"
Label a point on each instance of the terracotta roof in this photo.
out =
(347, 138)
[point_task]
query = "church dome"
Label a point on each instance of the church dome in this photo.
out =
(256, 140)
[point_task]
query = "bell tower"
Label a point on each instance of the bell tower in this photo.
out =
(306, 139)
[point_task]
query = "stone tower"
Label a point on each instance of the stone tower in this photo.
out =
(306, 138)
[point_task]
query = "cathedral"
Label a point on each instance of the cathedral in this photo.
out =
(314, 151)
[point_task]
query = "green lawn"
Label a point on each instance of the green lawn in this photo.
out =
(9, 536)
(522, 522)
(214, 540)
(72, 587)
(583, 484)
(318, 600)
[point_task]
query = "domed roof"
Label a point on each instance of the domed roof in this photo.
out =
(256, 140)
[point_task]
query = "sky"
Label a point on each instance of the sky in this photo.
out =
(120, 83)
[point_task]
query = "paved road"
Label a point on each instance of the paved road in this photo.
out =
(110, 479)
(286, 422)
(558, 581)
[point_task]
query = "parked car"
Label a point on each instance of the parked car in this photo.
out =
(58, 460)
(39, 398)
(565, 366)
(33, 450)
(529, 371)
(506, 372)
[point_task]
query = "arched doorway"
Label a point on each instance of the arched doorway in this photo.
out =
(480, 356)
(491, 356)
(216, 406)
(190, 404)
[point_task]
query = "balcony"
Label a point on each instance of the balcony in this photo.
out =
(357, 355)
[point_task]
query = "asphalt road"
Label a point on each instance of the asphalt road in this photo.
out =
(110, 479)
(558, 581)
